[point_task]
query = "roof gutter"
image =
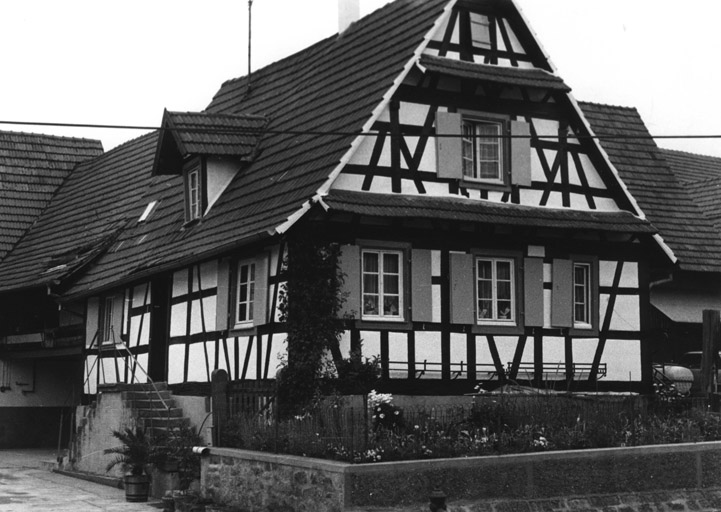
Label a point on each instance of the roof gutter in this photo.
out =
(325, 187)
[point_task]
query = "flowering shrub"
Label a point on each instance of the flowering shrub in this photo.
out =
(491, 426)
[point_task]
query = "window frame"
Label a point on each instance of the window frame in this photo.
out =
(513, 320)
(587, 321)
(502, 182)
(249, 319)
(402, 281)
(194, 210)
(593, 327)
(106, 312)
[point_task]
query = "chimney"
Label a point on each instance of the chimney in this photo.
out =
(348, 12)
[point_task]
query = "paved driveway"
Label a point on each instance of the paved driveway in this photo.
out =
(25, 485)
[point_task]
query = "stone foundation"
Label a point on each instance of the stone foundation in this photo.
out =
(257, 481)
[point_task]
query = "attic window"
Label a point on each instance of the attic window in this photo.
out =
(195, 189)
(148, 211)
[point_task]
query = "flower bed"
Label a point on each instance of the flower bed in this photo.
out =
(491, 425)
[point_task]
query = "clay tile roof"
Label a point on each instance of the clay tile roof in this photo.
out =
(87, 213)
(701, 176)
(526, 77)
(202, 133)
(666, 203)
(332, 86)
(468, 210)
(32, 167)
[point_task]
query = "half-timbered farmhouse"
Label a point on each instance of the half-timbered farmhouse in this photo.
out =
(486, 233)
(36, 373)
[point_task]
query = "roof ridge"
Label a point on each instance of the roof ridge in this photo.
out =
(607, 105)
(690, 153)
(49, 136)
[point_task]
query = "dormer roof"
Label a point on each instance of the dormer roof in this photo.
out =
(185, 134)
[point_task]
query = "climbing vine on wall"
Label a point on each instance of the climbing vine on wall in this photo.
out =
(310, 305)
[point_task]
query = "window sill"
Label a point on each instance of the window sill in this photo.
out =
(497, 328)
(481, 185)
(399, 324)
(243, 330)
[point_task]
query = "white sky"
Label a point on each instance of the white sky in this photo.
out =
(124, 61)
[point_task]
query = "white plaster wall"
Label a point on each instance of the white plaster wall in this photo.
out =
(176, 362)
(398, 351)
(623, 359)
(42, 383)
(220, 173)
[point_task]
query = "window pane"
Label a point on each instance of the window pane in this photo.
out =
(580, 313)
(390, 306)
(242, 311)
(504, 309)
(485, 269)
(370, 283)
(485, 308)
(370, 262)
(504, 270)
(390, 263)
(370, 304)
(485, 290)
(504, 290)
(390, 285)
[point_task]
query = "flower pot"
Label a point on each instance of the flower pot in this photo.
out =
(137, 488)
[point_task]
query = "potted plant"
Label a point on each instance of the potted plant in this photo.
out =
(134, 455)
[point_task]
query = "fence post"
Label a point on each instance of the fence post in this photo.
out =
(219, 405)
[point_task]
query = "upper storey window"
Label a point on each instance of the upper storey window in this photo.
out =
(482, 151)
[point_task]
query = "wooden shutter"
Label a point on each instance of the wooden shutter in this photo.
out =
(222, 298)
(520, 154)
(349, 262)
(562, 298)
(533, 292)
(421, 286)
(449, 149)
(260, 297)
(462, 294)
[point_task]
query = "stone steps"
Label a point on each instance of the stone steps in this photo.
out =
(154, 408)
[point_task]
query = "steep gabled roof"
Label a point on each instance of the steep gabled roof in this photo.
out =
(32, 167)
(643, 167)
(304, 94)
(701, 175)
(690, 167)
(85, 216)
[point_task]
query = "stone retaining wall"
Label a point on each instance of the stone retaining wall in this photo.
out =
(262, 481)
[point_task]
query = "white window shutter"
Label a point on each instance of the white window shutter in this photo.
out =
(533, 292)
(260, 298)
(462, 289)
(349, 263)
(449, 148)
(421, 285)
(520, 153)
(562, 298)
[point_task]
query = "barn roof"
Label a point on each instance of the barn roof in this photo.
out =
(32, 167)
(645, 170)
